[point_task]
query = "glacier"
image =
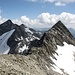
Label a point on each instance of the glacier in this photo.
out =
(4, 48)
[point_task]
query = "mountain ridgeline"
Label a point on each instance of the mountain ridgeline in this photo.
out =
(47, 45)
(39, 48)
(53, 37)
(20, 38)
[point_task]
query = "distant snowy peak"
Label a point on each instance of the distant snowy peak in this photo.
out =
(28, 30)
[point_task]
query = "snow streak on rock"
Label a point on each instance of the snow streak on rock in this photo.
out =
(4, 48)
(23, 48)
(27, 30)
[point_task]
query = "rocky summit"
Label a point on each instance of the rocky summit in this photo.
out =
(30, 54)
(47, 46)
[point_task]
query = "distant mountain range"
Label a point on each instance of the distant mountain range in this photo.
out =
(72, 31)
(46, 29)
(48, 53)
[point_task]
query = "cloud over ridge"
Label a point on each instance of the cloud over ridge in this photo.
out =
(45, 20)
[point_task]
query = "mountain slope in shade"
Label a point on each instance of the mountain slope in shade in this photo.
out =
(20, 39)
(49, 47)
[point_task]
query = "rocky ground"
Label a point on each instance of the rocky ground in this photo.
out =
(24, 65)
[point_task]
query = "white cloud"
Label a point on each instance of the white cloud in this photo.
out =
(17, 21)
(62, 1)
(24, 19)
(59, 4)
(65, 1)
(2, 20)
(56, 2)
(45, 20)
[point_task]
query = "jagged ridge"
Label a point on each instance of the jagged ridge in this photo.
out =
(20, 39)
(47, 46)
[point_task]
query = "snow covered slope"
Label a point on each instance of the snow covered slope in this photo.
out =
(65, 59)
(4, 48)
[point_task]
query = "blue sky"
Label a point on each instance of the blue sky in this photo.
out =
(17, 8)
(31, 9)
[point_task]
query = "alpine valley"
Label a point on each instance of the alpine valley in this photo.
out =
(25, 51)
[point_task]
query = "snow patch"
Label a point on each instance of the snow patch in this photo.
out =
(36, 38)
(4, 48)
(47, 67)
(27, 30)
(18, 39)
(65, 59)
(27, 39)
(23, 48)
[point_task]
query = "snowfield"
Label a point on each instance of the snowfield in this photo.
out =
(65, 59)
(4, 48)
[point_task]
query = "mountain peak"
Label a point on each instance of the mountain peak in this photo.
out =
(24, 26)
(8, 21)
(59, 24)
(59, 33)
(59, 21)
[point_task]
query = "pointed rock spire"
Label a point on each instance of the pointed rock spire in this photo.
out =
(8, 22)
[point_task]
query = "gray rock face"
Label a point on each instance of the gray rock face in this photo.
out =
(55, 36)
(58, 33)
